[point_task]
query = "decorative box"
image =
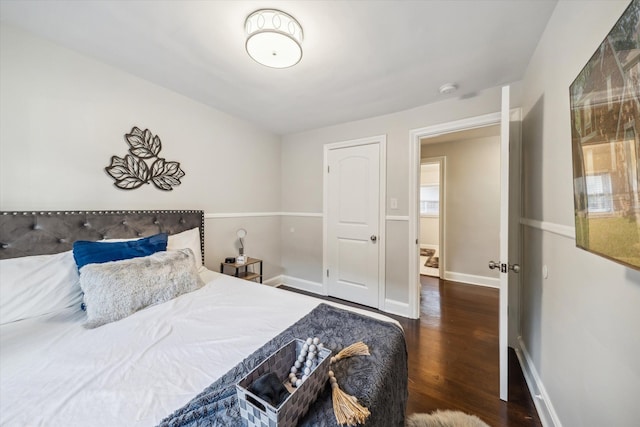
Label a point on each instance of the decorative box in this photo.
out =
(259, 413)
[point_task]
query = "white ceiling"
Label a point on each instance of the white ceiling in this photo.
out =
(361, 58)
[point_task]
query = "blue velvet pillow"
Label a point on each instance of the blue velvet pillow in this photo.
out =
(85, 252)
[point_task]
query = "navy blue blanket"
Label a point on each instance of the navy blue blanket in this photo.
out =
(378, 381)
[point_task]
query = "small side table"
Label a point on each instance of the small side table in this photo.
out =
(240, 270)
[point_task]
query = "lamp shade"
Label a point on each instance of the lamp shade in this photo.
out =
(274, 38)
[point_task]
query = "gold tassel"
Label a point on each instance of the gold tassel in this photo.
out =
(357, 349)
(346, 407)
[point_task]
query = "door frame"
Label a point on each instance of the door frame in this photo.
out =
(442, 209)
(381, 141)
(415, 135)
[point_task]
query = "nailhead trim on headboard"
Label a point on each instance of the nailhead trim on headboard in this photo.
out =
(47, 232)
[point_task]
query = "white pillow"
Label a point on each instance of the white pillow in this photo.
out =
(36, 285)
(114, 290)
(189, 239)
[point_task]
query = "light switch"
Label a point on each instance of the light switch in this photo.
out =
(394, 203)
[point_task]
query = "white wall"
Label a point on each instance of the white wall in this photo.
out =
(64, 115)
(472, 227)
(302, 167)
(580, 325)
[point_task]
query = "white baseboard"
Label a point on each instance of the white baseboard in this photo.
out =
(396, 307)
(303, 285)
(274, 281)
(471, 279)
(541, 400)
(390, 306)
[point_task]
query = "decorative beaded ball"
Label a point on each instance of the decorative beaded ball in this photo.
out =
(306, 361)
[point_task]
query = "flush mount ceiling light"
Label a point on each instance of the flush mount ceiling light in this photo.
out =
(274, 38)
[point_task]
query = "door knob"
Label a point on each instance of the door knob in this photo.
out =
(374, 237)
(503, 267)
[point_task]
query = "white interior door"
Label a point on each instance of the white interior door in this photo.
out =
(504, 245)
(503, 264)
(353, 222)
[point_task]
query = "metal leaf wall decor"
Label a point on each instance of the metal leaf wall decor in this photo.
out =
(138, 167)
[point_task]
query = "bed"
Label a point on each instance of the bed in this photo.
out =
(170, 363)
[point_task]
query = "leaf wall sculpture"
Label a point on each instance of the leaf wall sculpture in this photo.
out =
(132, 170)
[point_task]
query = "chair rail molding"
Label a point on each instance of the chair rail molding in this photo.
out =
(559, 229)
(260, 214)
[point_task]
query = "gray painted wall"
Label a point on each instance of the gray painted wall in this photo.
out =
(302, 185)
(64, 115)
(579, 325)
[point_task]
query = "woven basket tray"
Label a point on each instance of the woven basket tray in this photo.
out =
(261, 413)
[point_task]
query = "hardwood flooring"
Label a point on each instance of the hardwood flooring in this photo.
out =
(453, 356)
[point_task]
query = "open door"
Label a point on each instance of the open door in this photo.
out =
(503, 265)
(507, 210)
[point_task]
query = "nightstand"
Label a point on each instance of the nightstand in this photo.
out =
(240, 270)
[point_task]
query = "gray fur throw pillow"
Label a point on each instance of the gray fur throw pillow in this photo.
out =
(115, 290)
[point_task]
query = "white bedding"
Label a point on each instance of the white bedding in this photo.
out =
(138, 370)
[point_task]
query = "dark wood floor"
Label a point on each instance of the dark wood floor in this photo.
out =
(453, 356)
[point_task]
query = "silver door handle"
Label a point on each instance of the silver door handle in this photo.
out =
(374, 237)
(513, 267)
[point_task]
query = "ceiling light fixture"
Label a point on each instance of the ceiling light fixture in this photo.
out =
(274, 38)
(448, 88)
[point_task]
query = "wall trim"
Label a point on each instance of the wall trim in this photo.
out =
(259, 214)
(274, 281)
(472, 279)
(303, 285)
(390, 306)
(539, 395)
(397, 218)
(396, 307)
(310, 214)
(240, 214)
(551, 227)
(457, 125)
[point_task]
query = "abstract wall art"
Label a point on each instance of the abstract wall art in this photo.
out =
(143, 164)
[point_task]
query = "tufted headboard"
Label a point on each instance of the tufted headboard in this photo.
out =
(39, 233)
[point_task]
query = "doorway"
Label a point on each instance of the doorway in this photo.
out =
(506, 211)
(432, 203)
(471, 204)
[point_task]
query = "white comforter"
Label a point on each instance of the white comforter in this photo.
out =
(138, 370)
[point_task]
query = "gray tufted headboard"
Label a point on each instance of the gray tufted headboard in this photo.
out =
(40, 233)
